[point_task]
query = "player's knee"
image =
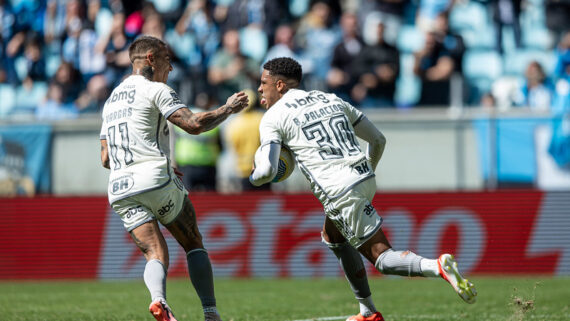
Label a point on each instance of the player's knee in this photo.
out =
(331, 244)
(405, 263)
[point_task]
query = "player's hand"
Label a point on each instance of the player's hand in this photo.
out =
(237, 102)
(177, 172)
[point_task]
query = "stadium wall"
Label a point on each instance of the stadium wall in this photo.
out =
(277, 235)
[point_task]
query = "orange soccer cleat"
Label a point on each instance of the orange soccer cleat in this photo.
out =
(375, 317)
(161, 311)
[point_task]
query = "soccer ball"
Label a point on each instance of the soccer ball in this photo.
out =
(286, 165)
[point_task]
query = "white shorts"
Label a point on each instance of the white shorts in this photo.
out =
(162, 204)
(353, 214)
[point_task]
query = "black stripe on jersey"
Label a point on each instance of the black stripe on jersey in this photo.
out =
(358, 120)
(158, 134)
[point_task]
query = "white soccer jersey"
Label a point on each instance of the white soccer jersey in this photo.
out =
(135, 127)
(319, 129)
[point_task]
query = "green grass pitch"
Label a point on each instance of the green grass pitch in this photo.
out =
(399, 299)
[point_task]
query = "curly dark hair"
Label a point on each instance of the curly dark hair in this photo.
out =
(284, 67)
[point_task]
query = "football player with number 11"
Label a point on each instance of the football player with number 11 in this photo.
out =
(321, 131)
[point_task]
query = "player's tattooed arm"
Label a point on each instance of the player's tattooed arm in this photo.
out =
(104, 154)
(196, 123)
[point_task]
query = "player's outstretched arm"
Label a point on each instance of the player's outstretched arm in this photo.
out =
(196, 123)
(375, 139)
(266, 163)
(104, 154)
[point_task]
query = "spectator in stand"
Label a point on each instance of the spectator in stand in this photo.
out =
(7, 20)
(153, 26)
(430, 10)
(488, 101)
(390, 11)
(536, 91)
(318, 35)
(115, 47)
(70, 81)
(74, 17)
(562, 69)
(242, 135)
(506, 13)
(284, 46)
(437, 62)
(375, 70)
(557, 13)
(339, 75)
(35, 62)
(268, 14)
(94, 96)
(54, 107)
(560, 144)
(198, 20)
(229, 70)
(54, 25)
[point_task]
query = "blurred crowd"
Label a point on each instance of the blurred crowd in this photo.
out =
(61, 58)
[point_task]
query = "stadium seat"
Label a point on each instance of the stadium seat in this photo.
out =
(29, 99)
(482, 64)
(483, 38)
(103, 22)
(166, 6)
(410, 39)
(253, 42)
(52, 63)
(480, 69)
(21, 67)
(184, 46)
(517, 61)
(538, 38)
(408, 91)
(7, 100)
(469, 15)
(407, 64)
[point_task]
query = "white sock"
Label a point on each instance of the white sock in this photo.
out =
(367, 307)
(429, 267)
(155, 279)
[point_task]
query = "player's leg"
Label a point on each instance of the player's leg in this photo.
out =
(378, 251)
(184, 228)
(152, 244)
(353, 267)
(141, 224)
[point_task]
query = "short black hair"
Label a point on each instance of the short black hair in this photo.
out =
(284, 67)
(142, 44)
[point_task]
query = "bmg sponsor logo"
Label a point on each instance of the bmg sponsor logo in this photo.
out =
(308, 100)
(121, 185)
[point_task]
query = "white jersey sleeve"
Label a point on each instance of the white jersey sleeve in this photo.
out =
(166, 99)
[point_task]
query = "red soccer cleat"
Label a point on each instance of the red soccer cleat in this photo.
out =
(375, 317)
(161, 311)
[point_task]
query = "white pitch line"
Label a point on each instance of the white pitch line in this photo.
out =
(436, 317)
(325, 318)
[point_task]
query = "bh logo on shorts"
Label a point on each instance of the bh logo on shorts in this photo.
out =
(121, 185)
(166, 208)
